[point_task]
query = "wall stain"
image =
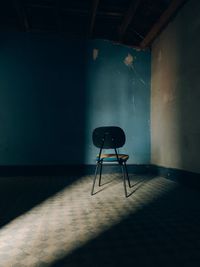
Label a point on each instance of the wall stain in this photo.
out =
(160, 55)
(95, 53)
(133, 99)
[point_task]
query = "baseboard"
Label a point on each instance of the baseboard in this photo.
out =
(109, 168)
(40, 170)
(43, 170)
(184, 177)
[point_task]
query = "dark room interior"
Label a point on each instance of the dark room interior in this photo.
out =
(68, 68)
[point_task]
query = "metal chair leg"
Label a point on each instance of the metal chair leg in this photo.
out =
(129, 184)
(94, 180)
(124, 180)
(101, 163)
(124, 172)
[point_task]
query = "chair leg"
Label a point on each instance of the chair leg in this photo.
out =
(94, 180)
(124, 180)
(129, 184)
(100, 173)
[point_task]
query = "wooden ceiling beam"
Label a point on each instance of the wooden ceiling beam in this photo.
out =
(130, 13)
(93, 16)
(162, 22)
(77, 11)
(21, 13)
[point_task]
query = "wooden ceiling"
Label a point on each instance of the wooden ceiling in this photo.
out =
(132, 22)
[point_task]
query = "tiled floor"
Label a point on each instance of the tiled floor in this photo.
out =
(53, 222)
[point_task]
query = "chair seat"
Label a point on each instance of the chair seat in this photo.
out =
(112, 157)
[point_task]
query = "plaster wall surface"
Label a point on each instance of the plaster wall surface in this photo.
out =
(175, 92)
(55, 91)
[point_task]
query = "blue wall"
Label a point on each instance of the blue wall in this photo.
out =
(53, 93)
(119, 94)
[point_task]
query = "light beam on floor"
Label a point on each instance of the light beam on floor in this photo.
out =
(69, 219)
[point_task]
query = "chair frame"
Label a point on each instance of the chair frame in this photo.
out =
(121, 162)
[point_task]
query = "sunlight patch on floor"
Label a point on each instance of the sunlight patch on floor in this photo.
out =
(71, 218)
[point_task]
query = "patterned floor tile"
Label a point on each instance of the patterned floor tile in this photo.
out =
(157, 225)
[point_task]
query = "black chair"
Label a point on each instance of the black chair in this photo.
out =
(110, 137)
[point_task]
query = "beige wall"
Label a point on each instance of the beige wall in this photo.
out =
(175, 92)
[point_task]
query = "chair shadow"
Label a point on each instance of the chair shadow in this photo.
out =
(154, 235)
(140, 183)
(105, 184)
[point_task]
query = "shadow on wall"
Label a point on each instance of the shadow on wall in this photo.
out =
(189, 78)
(42, 100)
(55, 91)
(42, 117)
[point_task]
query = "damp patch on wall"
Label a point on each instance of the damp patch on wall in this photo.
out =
(95, 53)
(160, 55)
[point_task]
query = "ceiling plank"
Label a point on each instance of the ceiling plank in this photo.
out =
(76, 11)
(130, 13)
(162, 22)
(21, 13)
(93, 16)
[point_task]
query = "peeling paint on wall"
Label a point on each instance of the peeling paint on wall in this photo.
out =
(95, 53)
(170, 95)
(128, 61)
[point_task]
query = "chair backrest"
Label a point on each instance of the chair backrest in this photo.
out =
(108, 137)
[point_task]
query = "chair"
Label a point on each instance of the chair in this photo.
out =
(110, 137)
